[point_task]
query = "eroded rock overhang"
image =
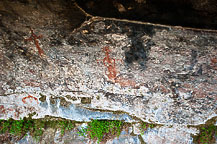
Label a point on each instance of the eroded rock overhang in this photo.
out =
(166, 75)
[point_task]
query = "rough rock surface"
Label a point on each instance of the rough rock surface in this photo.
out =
(188, 13)
(159, 74)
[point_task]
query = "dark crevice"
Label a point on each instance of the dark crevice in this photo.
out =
(186, 13)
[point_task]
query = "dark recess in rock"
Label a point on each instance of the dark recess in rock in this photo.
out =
(188, 13)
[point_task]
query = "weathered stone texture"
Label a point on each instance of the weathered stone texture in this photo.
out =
(164, 75)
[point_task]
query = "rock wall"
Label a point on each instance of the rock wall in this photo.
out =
(106, 69)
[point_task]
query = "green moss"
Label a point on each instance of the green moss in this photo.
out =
(17, 128)
(144, 126)
(102, 129)
(36, 127)
(65, 126)
(207, 135)
(208, 132)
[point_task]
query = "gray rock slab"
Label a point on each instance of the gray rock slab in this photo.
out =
(108, 69)
(159, 74)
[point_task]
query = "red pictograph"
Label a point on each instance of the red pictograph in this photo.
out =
(112, 71)
(31, 83)
(35, 38)
(30, 98)
(4, 110)
(110, 64)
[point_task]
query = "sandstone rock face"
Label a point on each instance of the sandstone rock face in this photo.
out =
(108, 69)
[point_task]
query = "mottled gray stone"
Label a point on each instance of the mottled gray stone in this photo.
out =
(158, 74)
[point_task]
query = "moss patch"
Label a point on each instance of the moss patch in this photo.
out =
(144, 126)
(36, 127)
(99, 130)
(208, 132)
(207, 135)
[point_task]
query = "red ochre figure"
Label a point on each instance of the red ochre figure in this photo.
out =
(112, 72)
(110, 64)
(29, 97)
(3, 110)
(35, 38)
